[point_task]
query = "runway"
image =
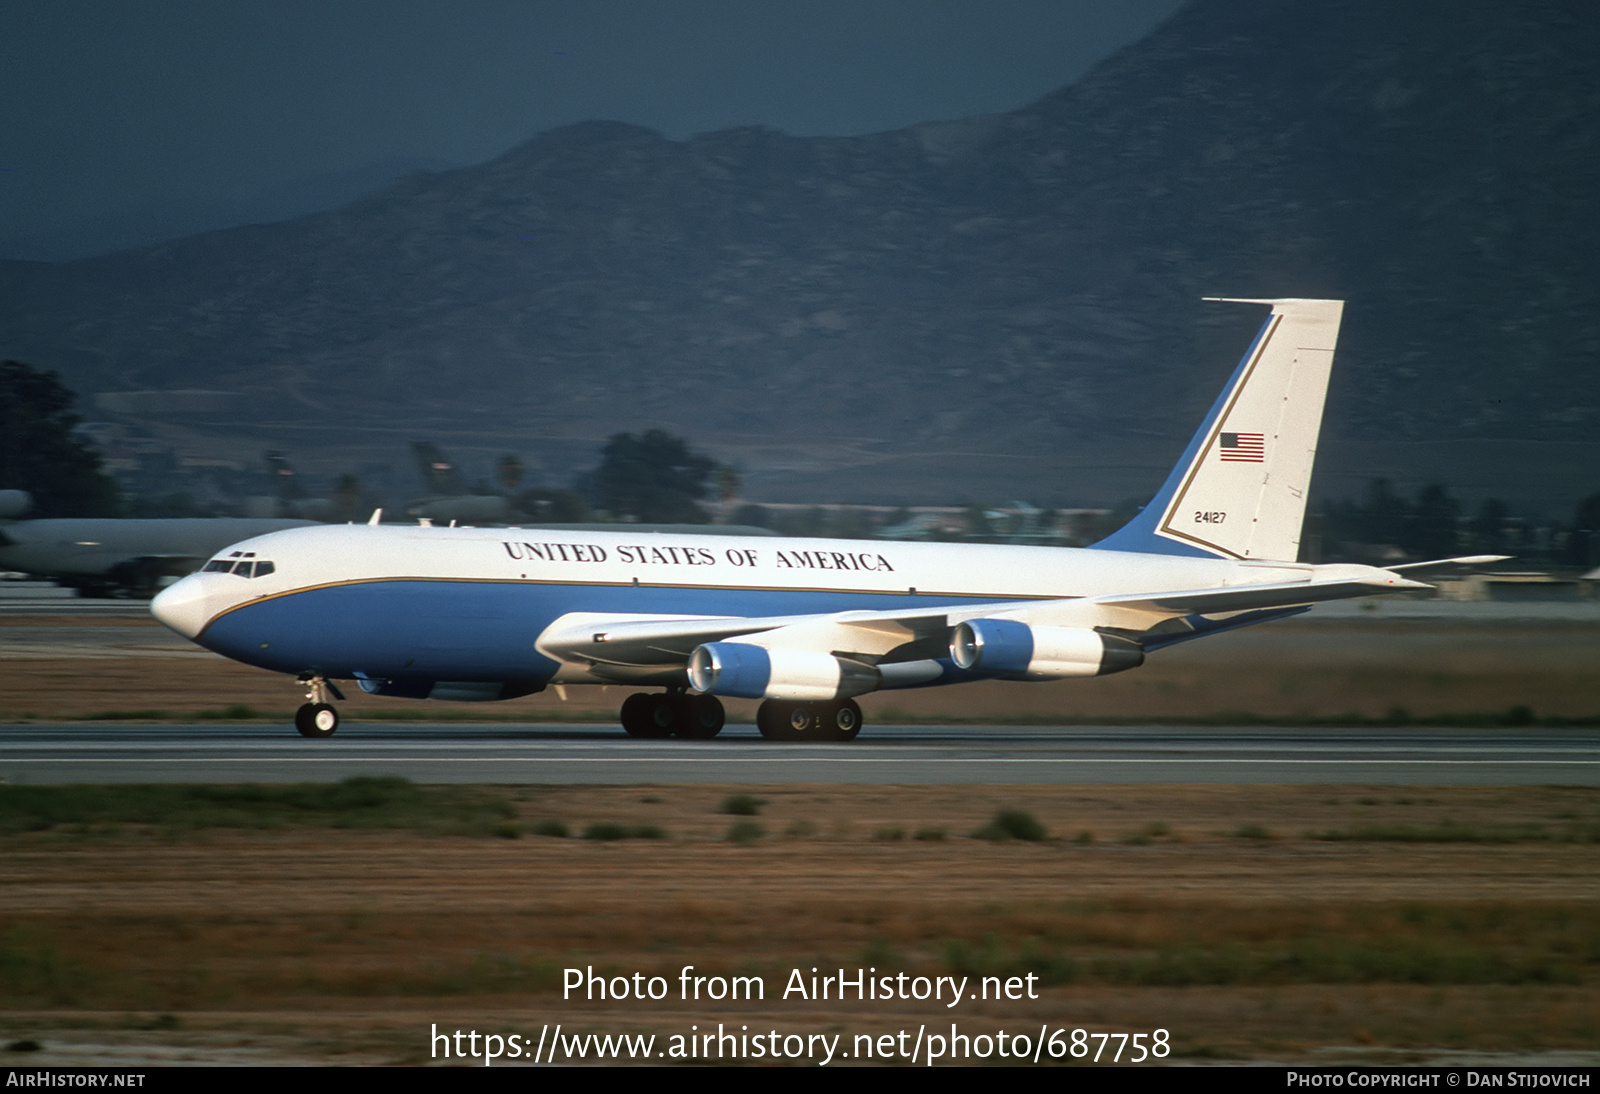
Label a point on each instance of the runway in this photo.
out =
(553, 753)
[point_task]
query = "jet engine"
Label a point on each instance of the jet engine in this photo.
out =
(751, 672)
(1007, 647)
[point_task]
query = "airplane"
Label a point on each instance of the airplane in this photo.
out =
(102, 556)
(806, 625)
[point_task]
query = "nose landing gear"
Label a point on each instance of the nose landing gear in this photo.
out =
(317, 717)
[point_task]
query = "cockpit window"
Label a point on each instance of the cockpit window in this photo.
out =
(243, 567)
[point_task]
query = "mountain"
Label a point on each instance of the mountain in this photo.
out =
(177, 215)
(985, 308)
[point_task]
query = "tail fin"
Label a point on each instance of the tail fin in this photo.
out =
(1239, 491)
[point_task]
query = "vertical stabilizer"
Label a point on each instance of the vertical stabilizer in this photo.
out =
(1239, 490)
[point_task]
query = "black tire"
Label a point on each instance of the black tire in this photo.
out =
(841, 721)
(641, 713)
(767, 721)
(316, 720)
(788, 720)
(700, 717)
(664, 715)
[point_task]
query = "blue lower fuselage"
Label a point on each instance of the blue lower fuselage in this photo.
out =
(413, 629)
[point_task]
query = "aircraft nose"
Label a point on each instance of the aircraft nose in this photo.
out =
(183, 606)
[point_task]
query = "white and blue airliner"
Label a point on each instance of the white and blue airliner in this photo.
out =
(804, 624)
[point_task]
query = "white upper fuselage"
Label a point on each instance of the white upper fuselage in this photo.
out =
(318, 557)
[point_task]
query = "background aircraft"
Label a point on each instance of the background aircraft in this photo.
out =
(106, 556)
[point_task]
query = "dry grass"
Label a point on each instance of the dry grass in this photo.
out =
(1260, 946)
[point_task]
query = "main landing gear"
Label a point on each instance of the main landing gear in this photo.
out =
(699, 718)
(675, 714)
(318, 718)
(789, 720)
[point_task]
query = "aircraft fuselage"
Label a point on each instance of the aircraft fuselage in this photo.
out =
(422, 603)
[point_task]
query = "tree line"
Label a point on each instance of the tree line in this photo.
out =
(655, 477)
(1383, 523)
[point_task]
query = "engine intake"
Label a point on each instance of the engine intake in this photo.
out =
(1008, 647)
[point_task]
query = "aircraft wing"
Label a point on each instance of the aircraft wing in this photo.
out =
(628, 640)
(619, 640)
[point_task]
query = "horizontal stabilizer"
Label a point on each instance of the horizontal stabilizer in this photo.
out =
(1444, 563)
(1252, 597)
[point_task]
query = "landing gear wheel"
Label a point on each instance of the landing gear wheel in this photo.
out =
(841, 721)
(316, 720)
(786, 720)
(664, 714)
(802, 720)
(699, 717)
(643, 714)
(767, 723)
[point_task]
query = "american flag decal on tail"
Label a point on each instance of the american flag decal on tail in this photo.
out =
(1242, 447)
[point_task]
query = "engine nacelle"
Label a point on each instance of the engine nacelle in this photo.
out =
(744, 671)
(1007, 647)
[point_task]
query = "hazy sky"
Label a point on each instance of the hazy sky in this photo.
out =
(127, 120)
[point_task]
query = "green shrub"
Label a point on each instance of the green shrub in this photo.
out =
(362, 802)
(606, 831)
(1012, 824)
(745, 831)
